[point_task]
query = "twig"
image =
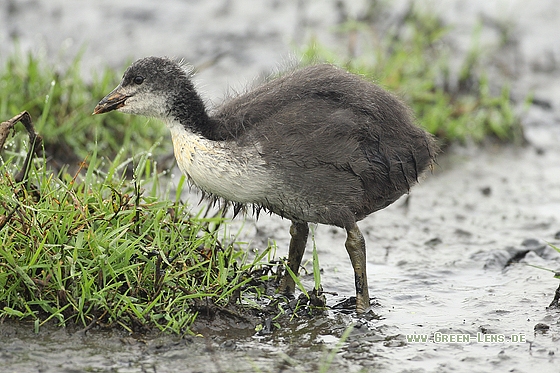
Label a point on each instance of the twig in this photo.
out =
(34, 140)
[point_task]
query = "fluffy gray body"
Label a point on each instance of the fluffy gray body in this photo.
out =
(316, 145)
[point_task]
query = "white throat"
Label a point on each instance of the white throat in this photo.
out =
(220, 167)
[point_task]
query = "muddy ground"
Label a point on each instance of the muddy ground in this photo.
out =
(451, 258)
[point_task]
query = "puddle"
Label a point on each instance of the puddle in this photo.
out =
(438, 260)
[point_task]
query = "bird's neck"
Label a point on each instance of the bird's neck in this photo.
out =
(190, 111)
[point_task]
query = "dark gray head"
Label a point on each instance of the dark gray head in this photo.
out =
(154, 87)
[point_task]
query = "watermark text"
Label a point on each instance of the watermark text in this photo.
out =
(465, 338)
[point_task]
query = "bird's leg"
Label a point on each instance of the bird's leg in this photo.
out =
(299, 232)
(356, 247)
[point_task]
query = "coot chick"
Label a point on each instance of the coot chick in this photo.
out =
(316, 145)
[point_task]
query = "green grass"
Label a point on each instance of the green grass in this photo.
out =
(102, 249)
(413, 59)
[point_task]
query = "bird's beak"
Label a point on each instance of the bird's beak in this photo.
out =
(112, 101)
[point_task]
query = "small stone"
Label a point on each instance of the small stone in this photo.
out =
(486, 191)
(541, 327)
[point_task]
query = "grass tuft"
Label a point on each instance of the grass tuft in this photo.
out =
(100, 249)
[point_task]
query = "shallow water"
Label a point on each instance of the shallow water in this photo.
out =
(437, 259)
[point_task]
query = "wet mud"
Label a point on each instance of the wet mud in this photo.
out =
(456, 260)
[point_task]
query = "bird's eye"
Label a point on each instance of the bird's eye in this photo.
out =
(138, 79)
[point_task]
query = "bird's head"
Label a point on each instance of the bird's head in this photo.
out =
(148, 88)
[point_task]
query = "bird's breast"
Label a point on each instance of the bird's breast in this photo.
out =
(221, 168)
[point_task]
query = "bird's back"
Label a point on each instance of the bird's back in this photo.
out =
(341, 146)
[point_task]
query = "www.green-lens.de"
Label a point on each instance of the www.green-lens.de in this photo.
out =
(465, 338)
